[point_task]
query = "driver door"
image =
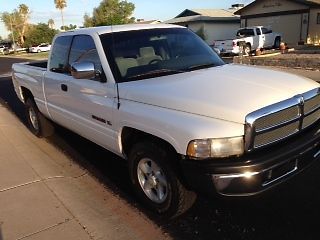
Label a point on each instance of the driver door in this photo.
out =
(90, 102)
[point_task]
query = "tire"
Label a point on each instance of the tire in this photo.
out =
(37, 123)
(246, 50)
(277, 43)
(155, 182)
(38, 51)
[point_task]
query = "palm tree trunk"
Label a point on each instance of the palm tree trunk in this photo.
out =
(63, 26)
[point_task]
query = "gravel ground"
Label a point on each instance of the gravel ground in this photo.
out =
(294, 56)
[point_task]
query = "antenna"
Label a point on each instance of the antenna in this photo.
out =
(114, 50)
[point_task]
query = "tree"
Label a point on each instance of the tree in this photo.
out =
(40, 33)
(51, 23)
(17, 21)
(201, 33)
(68, 28)
(61, 4)
(110, 12)
(88, 21)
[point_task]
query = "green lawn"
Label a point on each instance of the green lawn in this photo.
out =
(31, 56)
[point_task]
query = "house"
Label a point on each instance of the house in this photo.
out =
(297, 20)
(212, 24)
(142, 21)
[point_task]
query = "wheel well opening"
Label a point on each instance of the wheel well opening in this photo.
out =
(130, 136)
(26, 93)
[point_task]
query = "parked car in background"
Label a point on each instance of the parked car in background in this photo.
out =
(2, 49)
(248, 40)
(43, 47)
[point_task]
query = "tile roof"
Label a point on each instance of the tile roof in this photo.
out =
(194, 15)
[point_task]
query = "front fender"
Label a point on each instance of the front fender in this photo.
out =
(175, 127)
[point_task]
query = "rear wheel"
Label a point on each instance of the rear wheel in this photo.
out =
(38, 124)
(155, 182)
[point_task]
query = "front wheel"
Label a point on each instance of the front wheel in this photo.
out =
(246, 50)
(155, 182)
(38, 124)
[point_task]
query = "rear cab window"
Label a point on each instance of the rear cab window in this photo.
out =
(245, 32)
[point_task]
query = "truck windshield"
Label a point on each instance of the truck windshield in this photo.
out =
(143, 54)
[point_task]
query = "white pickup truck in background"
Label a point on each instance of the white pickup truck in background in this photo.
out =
(249, 39)
(186, 122)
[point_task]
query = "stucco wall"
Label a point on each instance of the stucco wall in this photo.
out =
(288, 25)
(220, 31)
(214, 31)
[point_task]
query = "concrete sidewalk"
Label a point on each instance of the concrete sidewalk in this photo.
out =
(45, 195)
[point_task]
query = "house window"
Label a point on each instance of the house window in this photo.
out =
(318, 18)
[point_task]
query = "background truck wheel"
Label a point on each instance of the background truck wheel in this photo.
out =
(246, 50)
(155, 182)
(38, 124)
(277, 43)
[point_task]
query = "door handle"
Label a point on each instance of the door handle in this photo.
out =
(64, 87)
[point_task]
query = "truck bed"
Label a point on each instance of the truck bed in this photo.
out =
(40, 64)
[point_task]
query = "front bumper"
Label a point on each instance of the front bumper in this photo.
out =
(254, 172)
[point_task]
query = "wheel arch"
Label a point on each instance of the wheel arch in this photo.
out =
(25, 93)
(129, 136)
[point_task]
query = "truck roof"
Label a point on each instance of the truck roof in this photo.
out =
(118, 28)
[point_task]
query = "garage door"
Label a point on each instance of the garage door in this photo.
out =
(288, 25)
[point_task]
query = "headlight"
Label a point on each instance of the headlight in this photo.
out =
(216, 148)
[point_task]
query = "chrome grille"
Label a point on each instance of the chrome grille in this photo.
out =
(281, 120)
(313, 117)
(277, 118)
(312, 104)
(275, 135)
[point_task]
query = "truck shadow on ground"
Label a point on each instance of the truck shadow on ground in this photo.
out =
(288, 212)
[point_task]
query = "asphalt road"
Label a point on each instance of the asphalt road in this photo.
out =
(290, 211)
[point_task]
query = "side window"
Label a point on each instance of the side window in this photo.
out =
(265, 31)
(83, 49)
(59, 55)
(258, 31)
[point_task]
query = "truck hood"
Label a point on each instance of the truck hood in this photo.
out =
(228, 92)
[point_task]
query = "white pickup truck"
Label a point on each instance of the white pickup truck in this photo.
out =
(161, 98)
(249, 39)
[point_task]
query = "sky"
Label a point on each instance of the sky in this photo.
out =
(43, 10)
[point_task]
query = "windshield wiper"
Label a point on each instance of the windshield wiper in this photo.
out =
(155, 73)
(200, 66)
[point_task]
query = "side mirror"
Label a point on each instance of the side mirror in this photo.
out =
(83, 70)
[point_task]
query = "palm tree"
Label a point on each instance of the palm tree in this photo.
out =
(51, 23)
(61, 4)
(24, 14)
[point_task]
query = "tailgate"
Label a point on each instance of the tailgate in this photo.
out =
(226, 45)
